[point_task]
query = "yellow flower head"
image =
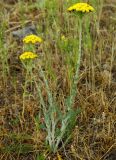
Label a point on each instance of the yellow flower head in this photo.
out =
(32, 39)
(28, 55)
(81, 7)
(59, 156)
(63, 38)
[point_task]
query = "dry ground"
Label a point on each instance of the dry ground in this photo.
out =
(94, 136)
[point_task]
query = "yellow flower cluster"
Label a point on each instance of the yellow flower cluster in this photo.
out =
(81, 7)
(59, 156)
(28, 55)
(63, 38)
(32, 39)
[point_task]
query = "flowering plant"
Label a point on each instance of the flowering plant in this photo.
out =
(27, 58)
(32, 39)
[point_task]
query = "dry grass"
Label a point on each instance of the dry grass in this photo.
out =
(94, 136)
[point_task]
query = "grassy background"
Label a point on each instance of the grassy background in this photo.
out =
(94, 134)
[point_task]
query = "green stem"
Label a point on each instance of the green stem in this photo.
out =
(76, 77)
(52, 108)
(28, 68)
(44, 110)
(24, 93)
(47, 87)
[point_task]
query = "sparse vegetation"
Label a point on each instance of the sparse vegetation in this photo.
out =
(39, 119)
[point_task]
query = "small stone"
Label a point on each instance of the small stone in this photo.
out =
(21, 33)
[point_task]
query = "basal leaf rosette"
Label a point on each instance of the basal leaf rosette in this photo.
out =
(32, 39)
